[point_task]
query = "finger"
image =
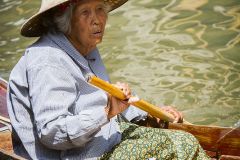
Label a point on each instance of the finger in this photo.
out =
(125, 102)
(181, 117)
(123, 105)
(121, 87)
(118, 85)
(158, 120)
(165, 108)
(126, 90)
(133, 99)
(177, 116)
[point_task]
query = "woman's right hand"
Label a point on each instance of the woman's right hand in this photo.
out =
(115, 105)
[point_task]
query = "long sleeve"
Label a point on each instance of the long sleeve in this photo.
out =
(53, 110)
(60, 120)
(134, 113)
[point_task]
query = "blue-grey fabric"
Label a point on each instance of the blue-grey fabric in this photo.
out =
(54, 112)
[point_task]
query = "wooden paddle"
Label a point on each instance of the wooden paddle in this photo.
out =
(222, 140)
(144, 105)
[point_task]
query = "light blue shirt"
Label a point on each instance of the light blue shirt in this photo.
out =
(54, 112)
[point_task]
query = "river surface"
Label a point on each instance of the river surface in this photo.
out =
(184, 53)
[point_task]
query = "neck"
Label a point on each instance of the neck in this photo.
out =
(83, 50)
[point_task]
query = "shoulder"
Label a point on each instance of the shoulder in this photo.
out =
(44, 52)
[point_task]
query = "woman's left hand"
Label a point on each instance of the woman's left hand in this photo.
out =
(178, 117)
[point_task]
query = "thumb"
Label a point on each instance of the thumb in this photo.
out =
(133, 99)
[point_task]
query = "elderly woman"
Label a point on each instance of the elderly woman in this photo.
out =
(56, 114)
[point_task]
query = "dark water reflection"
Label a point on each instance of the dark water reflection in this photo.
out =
(178, 52)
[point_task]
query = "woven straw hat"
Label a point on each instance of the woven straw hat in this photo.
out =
(33, 27)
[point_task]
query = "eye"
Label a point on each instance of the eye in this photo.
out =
(101, 8)
(85, 12)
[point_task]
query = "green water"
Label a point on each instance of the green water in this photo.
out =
(180, 52)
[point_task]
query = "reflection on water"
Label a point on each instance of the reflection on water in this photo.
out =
(179, 52)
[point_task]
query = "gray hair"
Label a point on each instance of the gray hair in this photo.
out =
(63, 22)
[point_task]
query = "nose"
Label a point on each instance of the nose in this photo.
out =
(95, 19)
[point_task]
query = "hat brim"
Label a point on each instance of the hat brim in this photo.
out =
(33, 27)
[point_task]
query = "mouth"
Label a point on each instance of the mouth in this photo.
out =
(97, 33)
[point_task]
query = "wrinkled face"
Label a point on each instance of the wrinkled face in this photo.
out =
(88, 24)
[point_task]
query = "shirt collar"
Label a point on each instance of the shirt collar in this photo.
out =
(61, 40)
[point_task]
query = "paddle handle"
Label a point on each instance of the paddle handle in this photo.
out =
(114, 91)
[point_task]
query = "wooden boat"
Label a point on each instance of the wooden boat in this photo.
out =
(219, 142)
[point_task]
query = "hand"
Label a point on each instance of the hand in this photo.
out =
(178, 117)
(158, 123)
(115, 105)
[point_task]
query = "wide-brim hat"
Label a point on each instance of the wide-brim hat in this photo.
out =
(33, 27)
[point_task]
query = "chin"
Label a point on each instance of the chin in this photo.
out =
(98, 41)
